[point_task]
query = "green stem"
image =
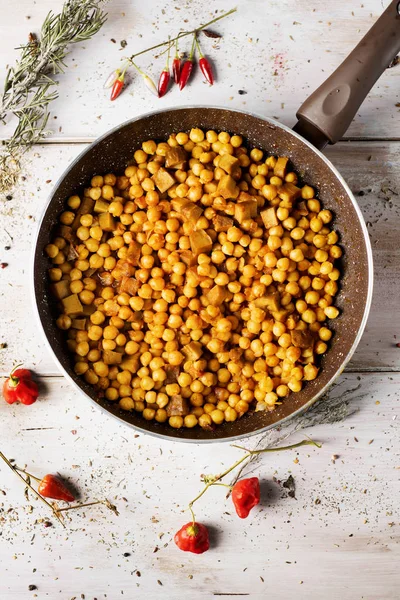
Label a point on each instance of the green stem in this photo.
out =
(183, 34)
(193, 47)
(238, 462)
(198, 48)
(32, 489)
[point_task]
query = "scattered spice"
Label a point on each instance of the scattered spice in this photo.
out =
(32, 587)
(290, 485)
(123, 43)
(211, 34)
(3, 265)
(242, 92)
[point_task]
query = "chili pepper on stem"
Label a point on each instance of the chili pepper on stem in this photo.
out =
(245, 495)
(165, 77)
(19, 387)
(118, 85)
(52, 487)
(205, 66)
(148, 82)
(187, 66)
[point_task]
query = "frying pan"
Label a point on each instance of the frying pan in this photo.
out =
(323, 118)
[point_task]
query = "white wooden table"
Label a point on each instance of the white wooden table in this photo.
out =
(340, 537)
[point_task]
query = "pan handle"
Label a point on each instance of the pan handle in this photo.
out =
(325, 116)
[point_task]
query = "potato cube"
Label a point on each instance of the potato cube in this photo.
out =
(88, 309)
(281, 165)
(71, 305)
(106, 221)
(216, 295)
(230, 164)
(130, 285)
(289, 192)
(191, 212)
(302, 339)
(200, 242)
(133, 254)
(175, 158)
(130, 364)
(245, 210)
(269, 218)
(101, 206)
(227, 187)
(193, 350)
(179, 203)
(188, 257)
(60, 289)
(66, 232)
(112, 358)
(79, 324)
(163, 180)
(222, 223)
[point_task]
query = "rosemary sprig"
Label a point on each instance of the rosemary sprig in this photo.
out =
(29, 85)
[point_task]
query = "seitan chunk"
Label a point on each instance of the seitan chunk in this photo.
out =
(245, 210)
(112, 358)
(281, 166)
(66, 232)
(175, 158)
(200, 242)
(270, 301)
(179, 203)
(227, 187)
(123, 268)
(60, 289)
(163, 180)
(72, 305)
(302, 339)
(193, 351)
(222, 223)
(230, 164)
(216, 295)
(130, 285)
(106, 221)
(269, 218)
(177, 406)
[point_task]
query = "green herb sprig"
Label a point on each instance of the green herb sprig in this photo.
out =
(29, 85)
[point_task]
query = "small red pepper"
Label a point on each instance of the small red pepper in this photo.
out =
(246, 495)
(165, 77)
(192, 537)
(52, 487)
(187, 67)
(206, 69)
(19, 387)
(176, 68)
(205, 66)
(117, 86)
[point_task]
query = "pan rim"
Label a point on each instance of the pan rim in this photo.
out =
(346, 359)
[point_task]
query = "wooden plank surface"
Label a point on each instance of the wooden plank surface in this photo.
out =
(276, 52)
(371, 169)
(338, 538)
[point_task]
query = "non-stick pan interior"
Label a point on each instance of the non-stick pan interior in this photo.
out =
(112, 153)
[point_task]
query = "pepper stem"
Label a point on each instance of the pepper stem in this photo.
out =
(184, 34)
(198, 47)
(167, 64)
(176, 47)
(14, 380)
(32, 489)
(193, 47)
(27, 474)
(249, 453)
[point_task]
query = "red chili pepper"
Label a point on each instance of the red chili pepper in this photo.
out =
(19, 387)
(117, 87)
(204, 65)
(165, 77)
(246, 495)
(187, 67)
(192, 537)
(176, 68)
(52, 487)
(163, 82)
(206, 69)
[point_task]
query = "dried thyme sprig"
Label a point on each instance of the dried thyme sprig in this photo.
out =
(28, 89)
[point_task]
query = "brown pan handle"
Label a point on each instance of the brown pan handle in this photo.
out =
(325, 116)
